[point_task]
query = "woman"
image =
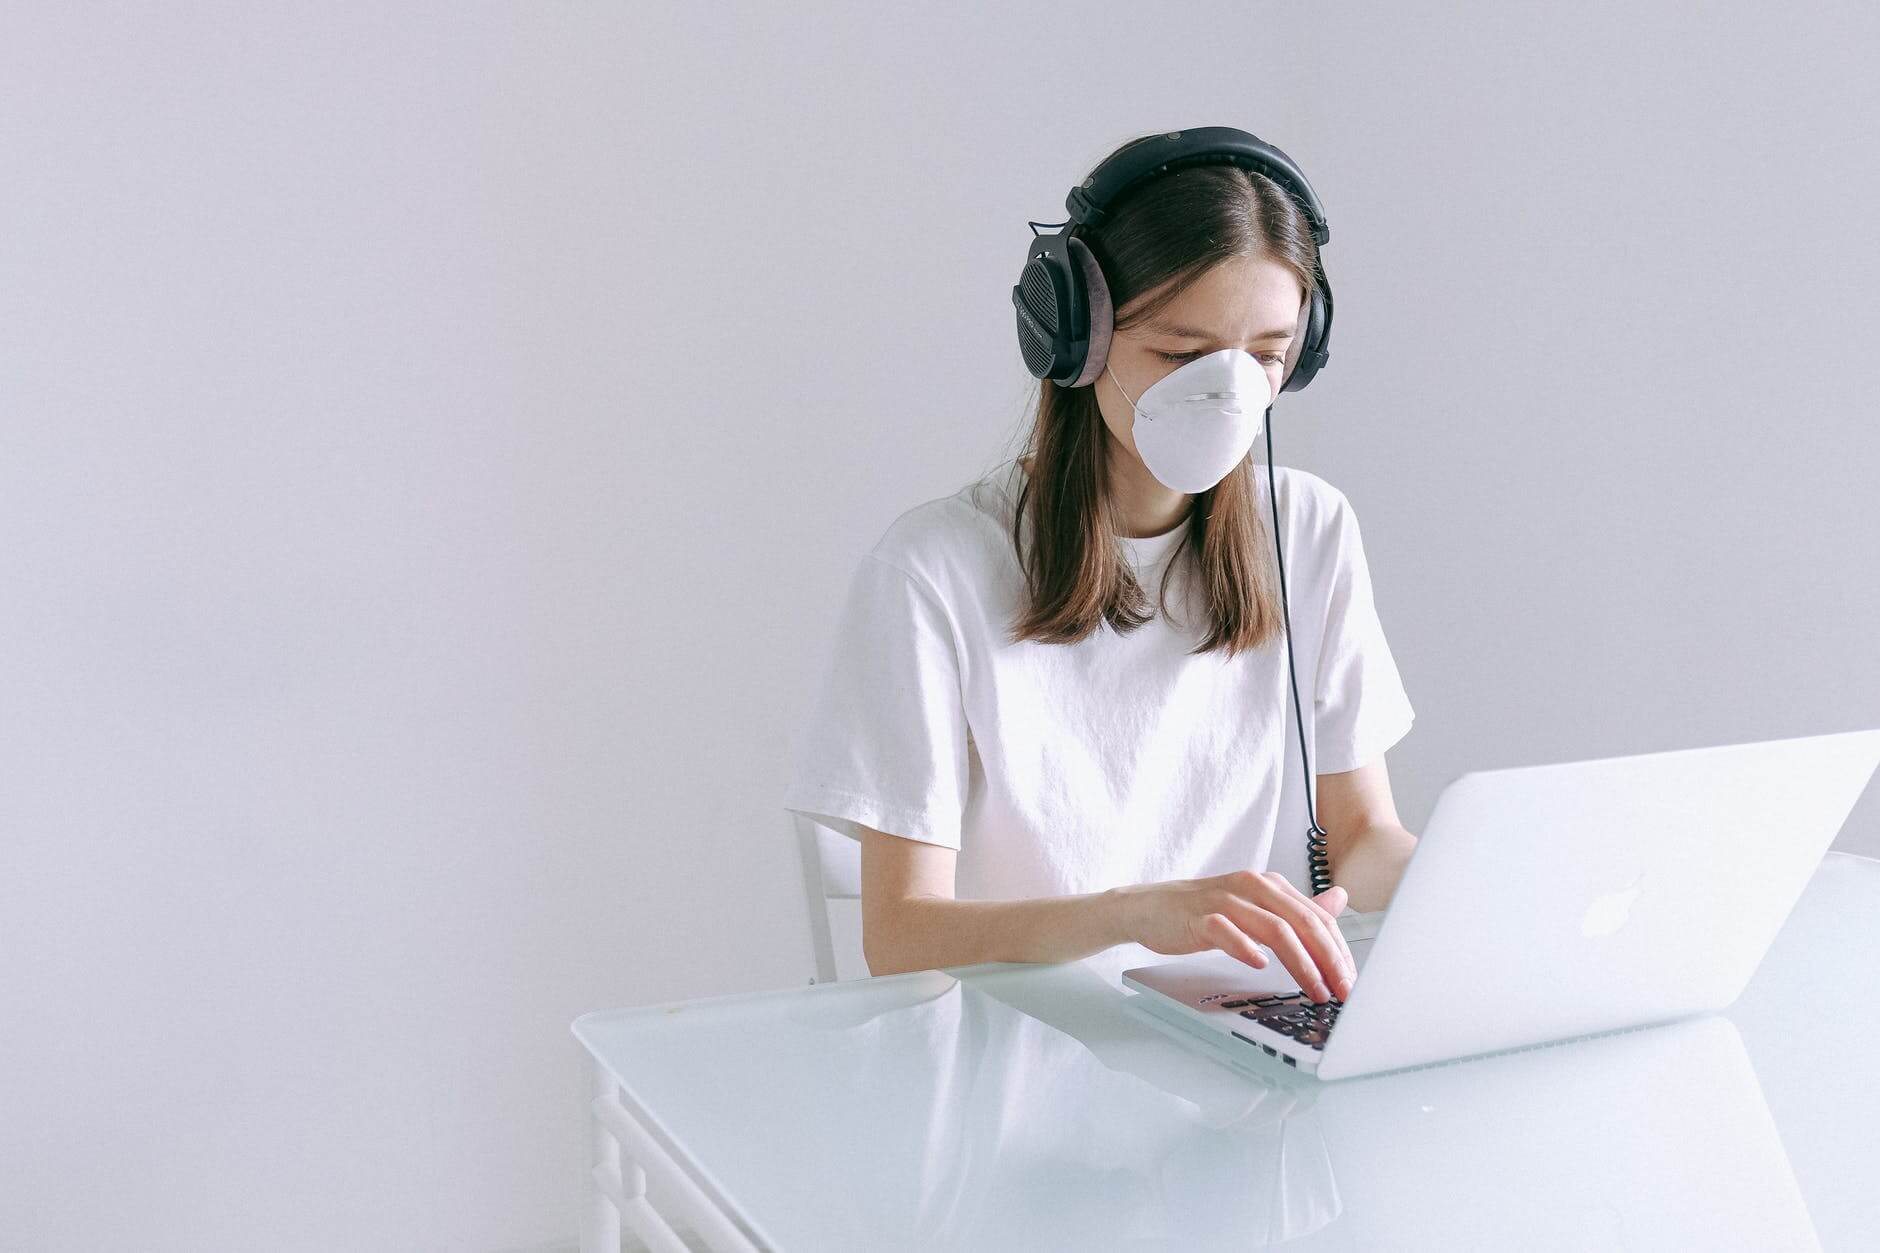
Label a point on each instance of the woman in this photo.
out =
(1042, 760)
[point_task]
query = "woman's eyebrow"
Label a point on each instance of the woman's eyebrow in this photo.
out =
(1189, 332)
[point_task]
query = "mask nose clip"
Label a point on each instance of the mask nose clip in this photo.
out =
(1232, 399)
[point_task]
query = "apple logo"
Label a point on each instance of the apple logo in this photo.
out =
(1609, 912)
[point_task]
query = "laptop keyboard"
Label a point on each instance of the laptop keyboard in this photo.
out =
(1296, 1015)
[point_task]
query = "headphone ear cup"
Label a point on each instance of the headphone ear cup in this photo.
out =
(1048, 300)
(1301, 329)
(1096, 295)
(1037, 299)
(1306, 334)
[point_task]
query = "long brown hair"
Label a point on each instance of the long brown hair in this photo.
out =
(1170, 229)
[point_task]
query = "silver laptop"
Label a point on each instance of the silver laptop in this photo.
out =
(1545, 903)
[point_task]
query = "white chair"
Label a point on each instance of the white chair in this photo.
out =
(832, 887)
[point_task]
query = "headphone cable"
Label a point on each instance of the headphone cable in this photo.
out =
(1318, 863)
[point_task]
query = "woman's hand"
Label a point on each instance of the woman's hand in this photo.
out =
(1237, 913)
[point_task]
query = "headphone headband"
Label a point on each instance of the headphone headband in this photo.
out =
(1089, 201)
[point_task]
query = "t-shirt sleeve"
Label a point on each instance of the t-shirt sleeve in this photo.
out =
(886, 743)
(1361, 708)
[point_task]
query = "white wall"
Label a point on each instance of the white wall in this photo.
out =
(433, 438)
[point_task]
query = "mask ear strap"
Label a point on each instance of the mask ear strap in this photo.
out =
(1119, 386)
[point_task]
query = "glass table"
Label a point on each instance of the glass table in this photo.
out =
(1034, 1107)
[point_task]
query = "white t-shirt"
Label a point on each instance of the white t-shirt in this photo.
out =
(1062, 769)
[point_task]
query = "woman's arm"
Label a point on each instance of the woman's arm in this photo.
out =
(1372, 865)
(911, 921)
(1366, 842)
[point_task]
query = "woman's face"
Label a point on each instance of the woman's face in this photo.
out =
(1250, 303)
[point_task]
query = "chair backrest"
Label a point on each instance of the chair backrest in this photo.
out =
(832, 871)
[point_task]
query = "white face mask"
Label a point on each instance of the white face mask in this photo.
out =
(1195, 423)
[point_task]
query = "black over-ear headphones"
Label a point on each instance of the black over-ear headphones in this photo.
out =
(1065, 320)
(1064, 310)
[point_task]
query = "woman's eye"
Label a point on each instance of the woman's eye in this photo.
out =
(1276, 358)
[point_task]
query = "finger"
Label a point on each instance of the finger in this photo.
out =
(1328, 925)
(1315, 936)
(1325, 902)
(1319, 933)
(1277, 934)
(1337, 908)
(1220, 931)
